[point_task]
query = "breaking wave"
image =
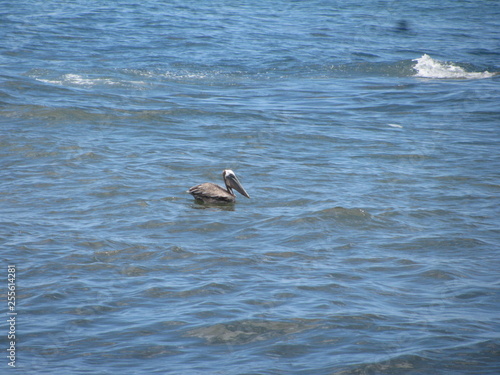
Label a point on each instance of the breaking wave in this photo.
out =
(427, 67)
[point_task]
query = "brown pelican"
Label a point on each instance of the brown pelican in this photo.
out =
(212, 193)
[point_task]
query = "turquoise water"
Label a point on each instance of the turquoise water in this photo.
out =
(366, 133)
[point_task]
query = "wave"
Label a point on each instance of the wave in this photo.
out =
(424, 66)
(427, 67)
(79, 80)
(122, 79)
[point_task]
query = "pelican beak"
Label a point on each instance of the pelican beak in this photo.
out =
(233, 182)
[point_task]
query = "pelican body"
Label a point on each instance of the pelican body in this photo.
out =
(212, 193)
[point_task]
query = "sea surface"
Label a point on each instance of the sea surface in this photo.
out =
(367, 134)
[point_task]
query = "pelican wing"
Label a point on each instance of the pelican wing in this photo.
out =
(211, 193)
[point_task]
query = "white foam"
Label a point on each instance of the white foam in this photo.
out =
(427, 67)
(76, 79)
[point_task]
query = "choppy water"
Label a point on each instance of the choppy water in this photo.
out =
(366, 133)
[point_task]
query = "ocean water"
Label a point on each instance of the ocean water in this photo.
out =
(367, 134)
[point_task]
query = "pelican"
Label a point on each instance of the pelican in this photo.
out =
(212, 193)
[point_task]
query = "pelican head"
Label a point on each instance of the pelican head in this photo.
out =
(232, 182)
(213, 194)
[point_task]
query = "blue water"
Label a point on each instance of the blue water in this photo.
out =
(367, 134)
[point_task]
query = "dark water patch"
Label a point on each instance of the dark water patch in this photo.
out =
(247, 331)
(428, 244)
(319, 288)
(438, 275)
(143, 351)
(337, 216)
(94, 244)
(177, 252)
(472, 293)
(461, 359)
(287, 350)
(134, 271)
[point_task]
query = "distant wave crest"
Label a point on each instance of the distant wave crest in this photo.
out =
(427, 67)
(77, 80)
